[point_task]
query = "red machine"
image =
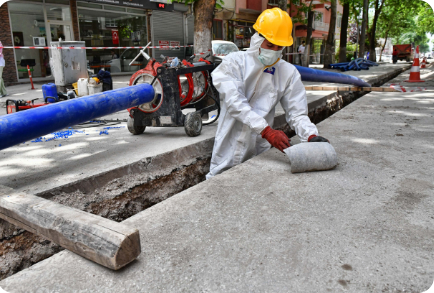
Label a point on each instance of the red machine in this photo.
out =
(13, 106)
(178, 86)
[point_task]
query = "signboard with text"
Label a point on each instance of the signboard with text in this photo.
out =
(175, 44)
(164, 44)
(145, 4)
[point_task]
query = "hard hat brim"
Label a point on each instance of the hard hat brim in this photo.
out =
(282, 43)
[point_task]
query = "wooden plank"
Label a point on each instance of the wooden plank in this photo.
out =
(349, 89)
(101, 240)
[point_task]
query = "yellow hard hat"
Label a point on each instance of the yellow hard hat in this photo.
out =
(276, 26)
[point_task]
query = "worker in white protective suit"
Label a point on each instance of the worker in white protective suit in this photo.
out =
(250, 84)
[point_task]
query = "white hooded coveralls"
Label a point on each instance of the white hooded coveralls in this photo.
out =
(249, 93)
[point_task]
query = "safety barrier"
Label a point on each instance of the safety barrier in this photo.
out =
(94, 48)
(30, 76)
(107, 48)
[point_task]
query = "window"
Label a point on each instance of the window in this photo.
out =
(27, 22)
(55, 12)
(273, 2)
(319, 17)
(63, 2)
(110, 22)
(224, 48)
(339, 21)
(113, 29)
(217, 28)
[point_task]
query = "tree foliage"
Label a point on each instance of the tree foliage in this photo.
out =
(425, 19)
(330, 43)
(393, 19)
(407, 22)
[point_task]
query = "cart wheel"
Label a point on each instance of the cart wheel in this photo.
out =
(193, 124)
(134, 129)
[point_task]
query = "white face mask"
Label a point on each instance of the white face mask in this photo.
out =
(269, 57)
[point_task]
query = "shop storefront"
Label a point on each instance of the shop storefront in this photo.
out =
(132, 23)
(112, 26)
(38, 23)
(121, 24)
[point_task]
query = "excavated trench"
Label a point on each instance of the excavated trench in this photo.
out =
(126, 191)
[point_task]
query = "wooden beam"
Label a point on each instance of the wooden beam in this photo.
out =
(101, 240)
(349, 89)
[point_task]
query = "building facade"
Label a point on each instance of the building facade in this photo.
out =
(97, 23)
(234, 23)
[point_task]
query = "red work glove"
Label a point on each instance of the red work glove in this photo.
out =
(276, 138)
(315, 138)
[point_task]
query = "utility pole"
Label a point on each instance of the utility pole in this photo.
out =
(363, 33)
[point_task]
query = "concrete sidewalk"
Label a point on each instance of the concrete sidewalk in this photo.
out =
(366, 226)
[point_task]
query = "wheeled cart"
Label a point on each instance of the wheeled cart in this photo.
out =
(172, 87)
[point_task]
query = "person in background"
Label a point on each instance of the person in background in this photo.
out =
(114, 55)
(301, 49)
(2, 65)
(395, 56)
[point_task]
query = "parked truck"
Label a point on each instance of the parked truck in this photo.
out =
(405, 52)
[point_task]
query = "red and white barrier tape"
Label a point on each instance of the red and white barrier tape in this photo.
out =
(402, 89)
(94, 48)
(106, 48)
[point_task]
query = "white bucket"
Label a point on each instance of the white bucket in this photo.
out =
(93, 89)
(82, 87)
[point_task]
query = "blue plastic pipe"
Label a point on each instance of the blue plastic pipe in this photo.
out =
(26, 125)
(309, 74)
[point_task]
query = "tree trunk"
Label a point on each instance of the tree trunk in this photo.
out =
(363, 31)
(329, 54)
(310, 16)
(292, 48)
(203, 16)
(372, 40)
(283, 4)
(344, 29)
(384, 45)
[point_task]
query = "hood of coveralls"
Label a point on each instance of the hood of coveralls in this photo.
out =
(255, 44)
